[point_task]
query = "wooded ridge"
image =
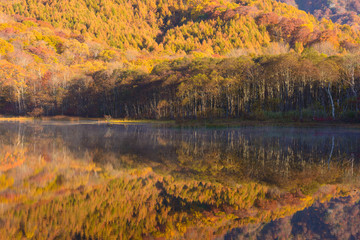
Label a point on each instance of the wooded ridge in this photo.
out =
(174, 59)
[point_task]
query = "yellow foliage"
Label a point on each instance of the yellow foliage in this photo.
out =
(5, 182)
(5, 47)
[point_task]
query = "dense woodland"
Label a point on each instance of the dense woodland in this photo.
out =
(170, 27)
(308, 85)
(300, 86)
(245, 59)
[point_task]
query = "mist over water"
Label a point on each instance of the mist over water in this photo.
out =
(275, 148)
(156, 142)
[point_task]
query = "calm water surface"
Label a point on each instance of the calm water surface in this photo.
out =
(295, 174)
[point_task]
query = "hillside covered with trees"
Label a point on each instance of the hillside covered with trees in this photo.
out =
(169, 27)
(197, 59)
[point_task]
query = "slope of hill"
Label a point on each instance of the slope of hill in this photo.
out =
(174, 26)
(170, 64)
(339, 11)
(37, 62)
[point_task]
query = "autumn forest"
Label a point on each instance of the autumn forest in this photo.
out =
(176, 60)
(179, 119)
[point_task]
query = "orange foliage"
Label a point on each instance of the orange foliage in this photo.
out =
(12, 159)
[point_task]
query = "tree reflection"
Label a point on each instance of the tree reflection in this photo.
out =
(171, 181)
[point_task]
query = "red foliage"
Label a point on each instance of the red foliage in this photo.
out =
(301, 35)
(328, 36)
(46, 79)
(9, 31)
(213, 11)
(41, 52)
(268, 18)
(288, 26)
(44, 24)
(241, 11)
(20, 18)
(61, 34)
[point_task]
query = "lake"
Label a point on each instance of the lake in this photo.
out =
(86, 180)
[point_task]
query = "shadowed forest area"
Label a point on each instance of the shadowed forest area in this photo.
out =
(310, 86)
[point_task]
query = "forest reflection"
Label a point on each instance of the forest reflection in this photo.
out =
(251, 152)
(188, 170)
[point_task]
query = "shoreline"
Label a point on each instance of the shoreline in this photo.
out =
(206, 123)
(229, 123)
(61, 118)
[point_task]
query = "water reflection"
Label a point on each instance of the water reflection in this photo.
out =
(251, 174)
(253, 151)
(338, 218)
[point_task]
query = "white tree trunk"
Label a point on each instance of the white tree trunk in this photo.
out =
(331, 101)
